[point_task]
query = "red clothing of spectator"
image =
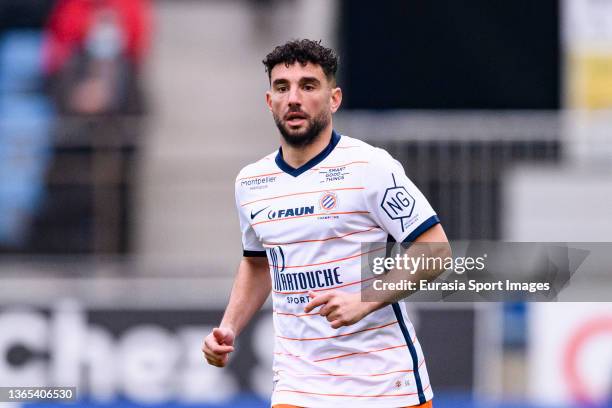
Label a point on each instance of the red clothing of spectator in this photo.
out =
(70, 21)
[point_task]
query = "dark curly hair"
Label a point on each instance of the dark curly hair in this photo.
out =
(303, 51)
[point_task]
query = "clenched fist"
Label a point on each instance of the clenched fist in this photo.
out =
(218, 345)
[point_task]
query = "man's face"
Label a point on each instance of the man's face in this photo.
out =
(302, 101)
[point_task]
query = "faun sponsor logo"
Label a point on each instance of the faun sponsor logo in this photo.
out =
(290, 212)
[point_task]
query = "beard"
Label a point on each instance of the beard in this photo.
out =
(303, 137)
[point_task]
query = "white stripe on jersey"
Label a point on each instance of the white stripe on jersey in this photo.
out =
(311, 222)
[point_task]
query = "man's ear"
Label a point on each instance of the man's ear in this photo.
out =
(336, 99)
(269, 100)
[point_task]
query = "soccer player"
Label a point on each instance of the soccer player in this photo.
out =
(304, 211)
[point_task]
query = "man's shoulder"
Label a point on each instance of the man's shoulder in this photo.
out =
(262, 168)
(351, 144)
(357, 149)
(252, 169)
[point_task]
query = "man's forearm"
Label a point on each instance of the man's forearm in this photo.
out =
(251, 289)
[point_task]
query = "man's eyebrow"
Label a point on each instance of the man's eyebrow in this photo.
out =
(282, 81)
(279, 81)
(309, 79)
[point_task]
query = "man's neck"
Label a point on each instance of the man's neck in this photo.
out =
(298, 156)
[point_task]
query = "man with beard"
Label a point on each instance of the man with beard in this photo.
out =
(304, 212)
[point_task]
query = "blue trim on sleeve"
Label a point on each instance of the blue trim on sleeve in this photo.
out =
(259, 254)
(280, 162)
(425, 225)
(413, 353)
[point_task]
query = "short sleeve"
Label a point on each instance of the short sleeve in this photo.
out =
(251, 245)
(396, 204)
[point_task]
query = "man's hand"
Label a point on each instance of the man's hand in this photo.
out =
(340, 308)
(217, 346)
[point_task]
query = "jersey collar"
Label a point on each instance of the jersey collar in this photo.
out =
(280, 162)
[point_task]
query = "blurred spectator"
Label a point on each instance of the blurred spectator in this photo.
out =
(93, 52)
(92, 58)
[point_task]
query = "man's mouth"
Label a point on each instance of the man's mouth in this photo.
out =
(295, 118)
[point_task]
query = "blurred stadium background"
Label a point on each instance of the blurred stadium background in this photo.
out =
(123, 124)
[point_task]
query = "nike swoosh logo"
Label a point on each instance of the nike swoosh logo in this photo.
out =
(255, 214)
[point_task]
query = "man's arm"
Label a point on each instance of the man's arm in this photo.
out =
(440, 248)
(344, 309)
(251, 289)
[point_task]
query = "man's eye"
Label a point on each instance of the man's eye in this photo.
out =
(282, 89)
(309, 87)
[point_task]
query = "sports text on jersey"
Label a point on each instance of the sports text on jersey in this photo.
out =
(334, 174)
(258, 181)
(321, 278)
(290, 281)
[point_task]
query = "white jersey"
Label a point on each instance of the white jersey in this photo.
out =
(310, 223)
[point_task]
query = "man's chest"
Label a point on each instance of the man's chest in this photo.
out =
(314, 206)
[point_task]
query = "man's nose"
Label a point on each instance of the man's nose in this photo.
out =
(295, 98)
